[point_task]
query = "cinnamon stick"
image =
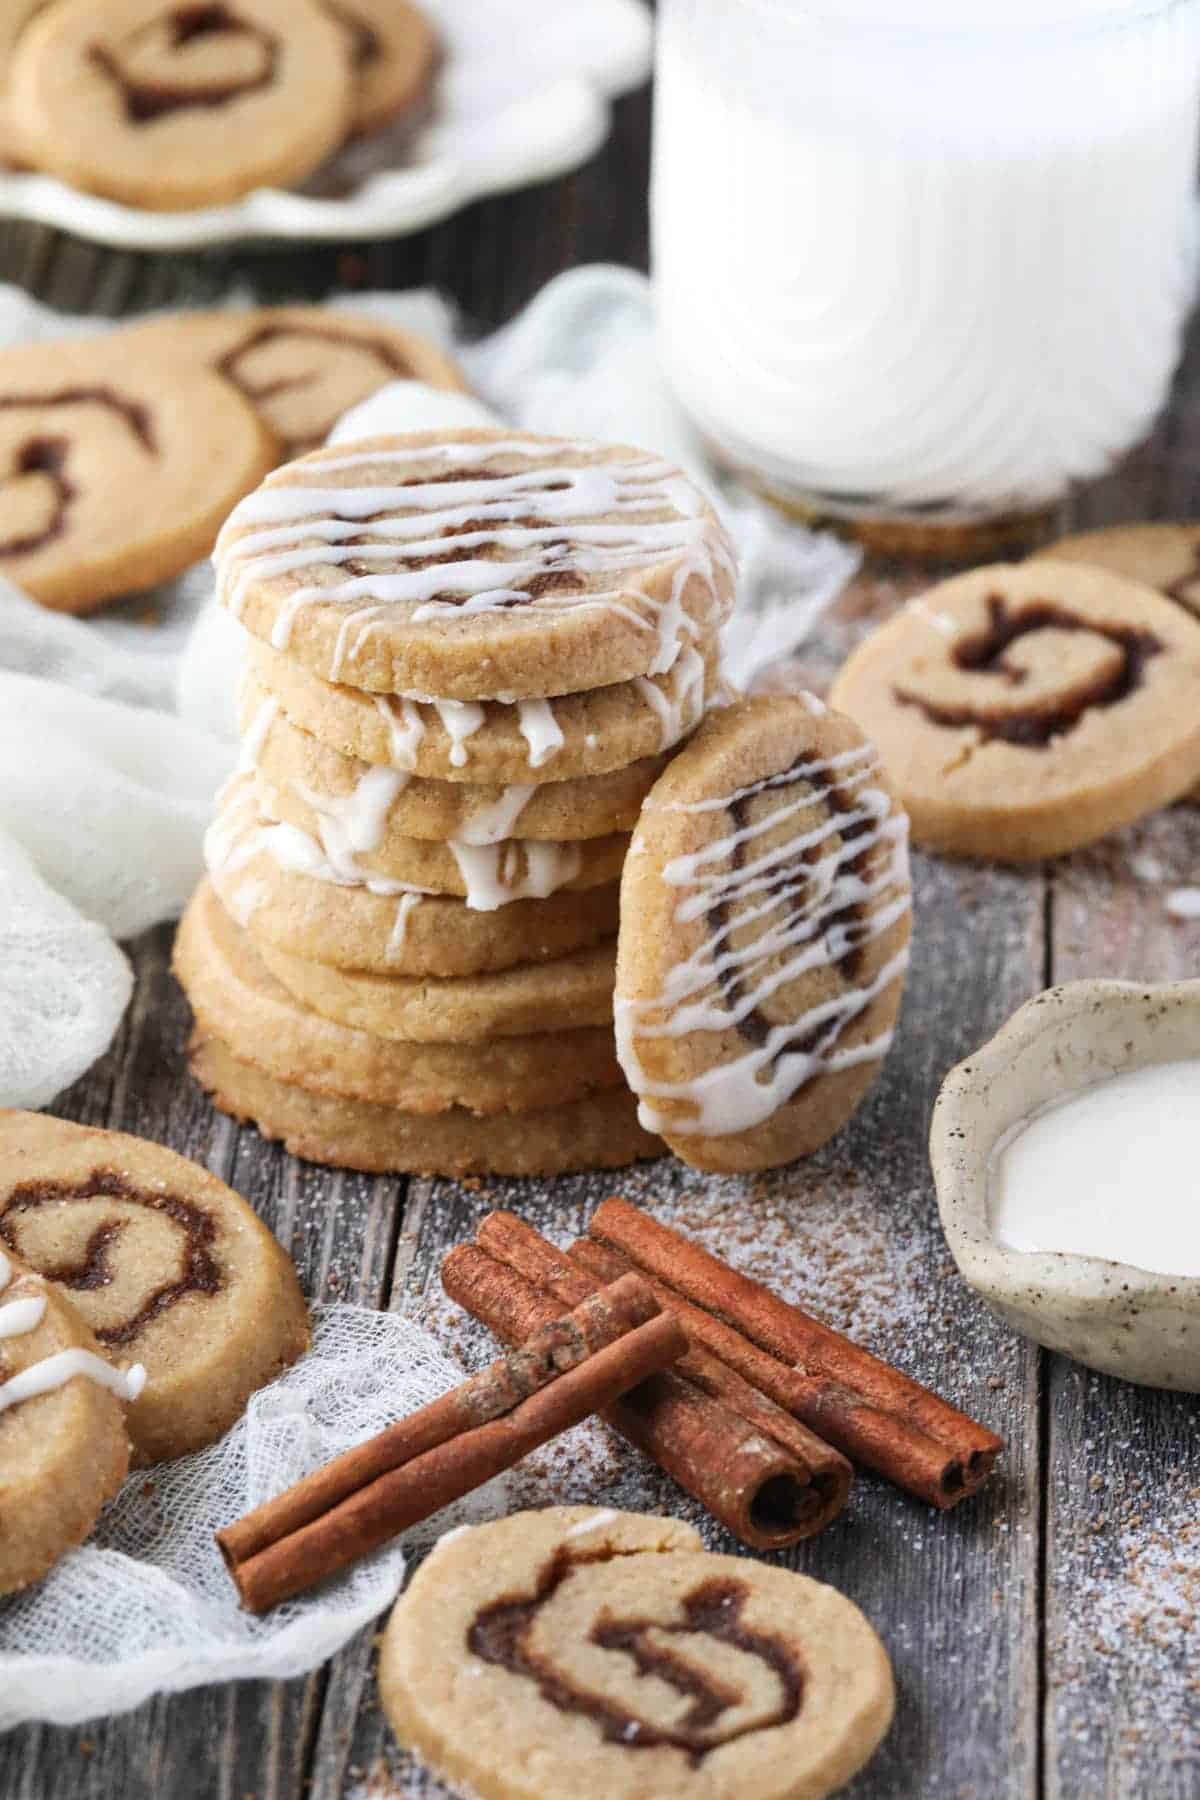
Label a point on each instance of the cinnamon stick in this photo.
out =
(573, 1368)
(877, 1415)
(763, 1475)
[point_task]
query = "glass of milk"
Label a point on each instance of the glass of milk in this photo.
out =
(922, 264)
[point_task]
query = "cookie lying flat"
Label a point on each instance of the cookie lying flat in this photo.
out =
(563, 995)
(608, 1655)
(310, 780)
(477, 565)
(1163, 556)
(393, 52)
(300, 367)
(765, 918)
(569, 737)
(114, 474)
(1026, 711)
(234, 996)
(64, 1450)
(600, 1132)
(486, 877)
(168, 1267)
(168, 105)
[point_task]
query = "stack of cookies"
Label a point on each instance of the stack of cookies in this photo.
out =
(469, 656)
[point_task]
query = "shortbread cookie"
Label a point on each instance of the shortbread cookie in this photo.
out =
(561, 995)
(169, 1267)
(572, 737)
(64, 1450)
(600, 1132)
(300, 367)
(608, 1655)
(1025, 711)
(234, 996)
(1166, 557)
(114, 474)
(477, 565)
(393, 53)
(765, 919)
(14, 17)
(171, 105)
(375, 805)
(486, 876)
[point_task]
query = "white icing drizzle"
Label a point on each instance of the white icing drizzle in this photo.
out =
(784, 916)
(520, 869)
(399, 932)
(595, 519)
(685, 701)
(491, 824)
(354, 823)
(256, 735)
(605, 1516)
(17, 1319)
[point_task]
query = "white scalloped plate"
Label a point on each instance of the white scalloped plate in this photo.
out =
(522, 96)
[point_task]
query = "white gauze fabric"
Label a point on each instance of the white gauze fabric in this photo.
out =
(147, 1607)
(116, 731)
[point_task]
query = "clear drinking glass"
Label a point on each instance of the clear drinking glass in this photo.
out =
(921, 264)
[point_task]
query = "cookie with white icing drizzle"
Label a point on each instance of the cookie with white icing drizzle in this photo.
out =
(567, 737)
(64, 1450)
(235, 997)
(1026, 711)
(485, 876)
(393, 52)
(477, 565)
(174, 104)
(599, 1132)
(607, 1655)
(375, 805)
(170, 1269)
(299, 367)
(765, 919)
(115, 473)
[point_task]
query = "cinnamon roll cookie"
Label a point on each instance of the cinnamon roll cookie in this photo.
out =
(479, 565)
(234, 997)
(299, 367)
(168, 1267)
(608, 1655)
(600, 1131)
(393, 52)
(1162, 556)
(765, 918)
(1026, 711)
(169, 104)
(115, 473)
(64, 1449)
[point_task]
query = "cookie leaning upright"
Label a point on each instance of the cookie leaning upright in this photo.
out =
(765, 918)
(483, 565)
(1026, 711)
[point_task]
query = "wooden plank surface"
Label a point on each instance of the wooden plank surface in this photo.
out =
(1041, 1635)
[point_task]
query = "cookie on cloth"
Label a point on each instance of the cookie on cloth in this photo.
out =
(1023, 711)
(168, 104)
(609, 1655)
(64, 1449)
(234, 996)
(393, 52)
(765, 919)
(115, 473)
(561, 995)
(310, 780)
(168, 1267)
(477, 564)
(599, 1132)
(1162, 556)
(299, 367)
(567, 737)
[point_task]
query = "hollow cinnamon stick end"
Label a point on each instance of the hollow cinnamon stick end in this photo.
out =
(965, 1475)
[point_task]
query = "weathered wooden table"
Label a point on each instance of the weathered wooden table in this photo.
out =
(1046, 1636)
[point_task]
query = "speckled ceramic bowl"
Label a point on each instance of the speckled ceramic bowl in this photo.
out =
(1112, 1317)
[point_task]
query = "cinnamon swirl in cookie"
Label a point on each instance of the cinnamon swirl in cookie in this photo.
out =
(1026, 711)
(169, 1268)
(64, 1449)
(477, 565)
(765, 918)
